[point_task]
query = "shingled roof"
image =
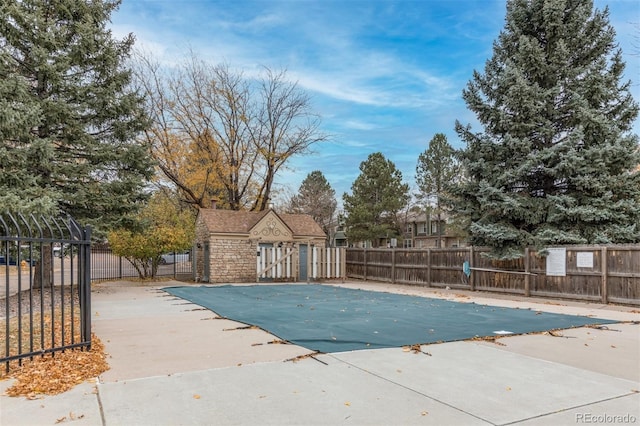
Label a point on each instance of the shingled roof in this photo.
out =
(241, 222)
(302, 224)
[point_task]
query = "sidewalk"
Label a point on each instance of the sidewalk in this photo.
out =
(175, 363)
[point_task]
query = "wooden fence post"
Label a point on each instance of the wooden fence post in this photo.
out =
(603, 289)
(393, 265)
(472, 282)
(527, 277)
(429, 267)
(364, 267)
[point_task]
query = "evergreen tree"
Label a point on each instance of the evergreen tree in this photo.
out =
(555, 162)
(316, 198)
(69, 120)
(378, 195)
(437, 170)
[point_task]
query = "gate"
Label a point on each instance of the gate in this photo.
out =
(45, 303)
(276, 263)
(302, 262)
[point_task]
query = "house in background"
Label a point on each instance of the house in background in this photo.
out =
(338, 236)
(422, 230)
(419, 230)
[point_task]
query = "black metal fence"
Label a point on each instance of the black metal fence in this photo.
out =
(105, 265)
(45, 302)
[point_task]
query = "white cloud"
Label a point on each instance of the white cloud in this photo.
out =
(359, 125)
(383, 73)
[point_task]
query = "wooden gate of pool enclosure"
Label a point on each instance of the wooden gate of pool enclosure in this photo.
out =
(241, 246)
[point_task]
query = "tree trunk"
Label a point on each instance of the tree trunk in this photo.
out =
(43, 275)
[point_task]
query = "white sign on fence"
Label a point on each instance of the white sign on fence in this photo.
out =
(584, 259)
(557, 262)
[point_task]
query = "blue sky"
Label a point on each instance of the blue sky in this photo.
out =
(384, 75)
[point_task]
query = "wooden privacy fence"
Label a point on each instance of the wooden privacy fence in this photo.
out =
(592, 273)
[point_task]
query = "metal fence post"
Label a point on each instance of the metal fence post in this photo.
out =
(86, 287)
(175, 265)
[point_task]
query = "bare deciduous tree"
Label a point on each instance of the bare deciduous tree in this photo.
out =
(217, 133)
(287, 127)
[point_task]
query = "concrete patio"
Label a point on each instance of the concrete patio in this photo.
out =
(173, 362)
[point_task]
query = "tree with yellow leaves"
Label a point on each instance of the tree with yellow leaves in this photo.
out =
(161, 227)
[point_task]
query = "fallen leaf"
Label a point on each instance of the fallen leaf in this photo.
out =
(196, 396)
(347, 403)
(55, 374)
(424, 413)
(493, 339)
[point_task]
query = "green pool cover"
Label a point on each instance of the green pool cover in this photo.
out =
(335, 319)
